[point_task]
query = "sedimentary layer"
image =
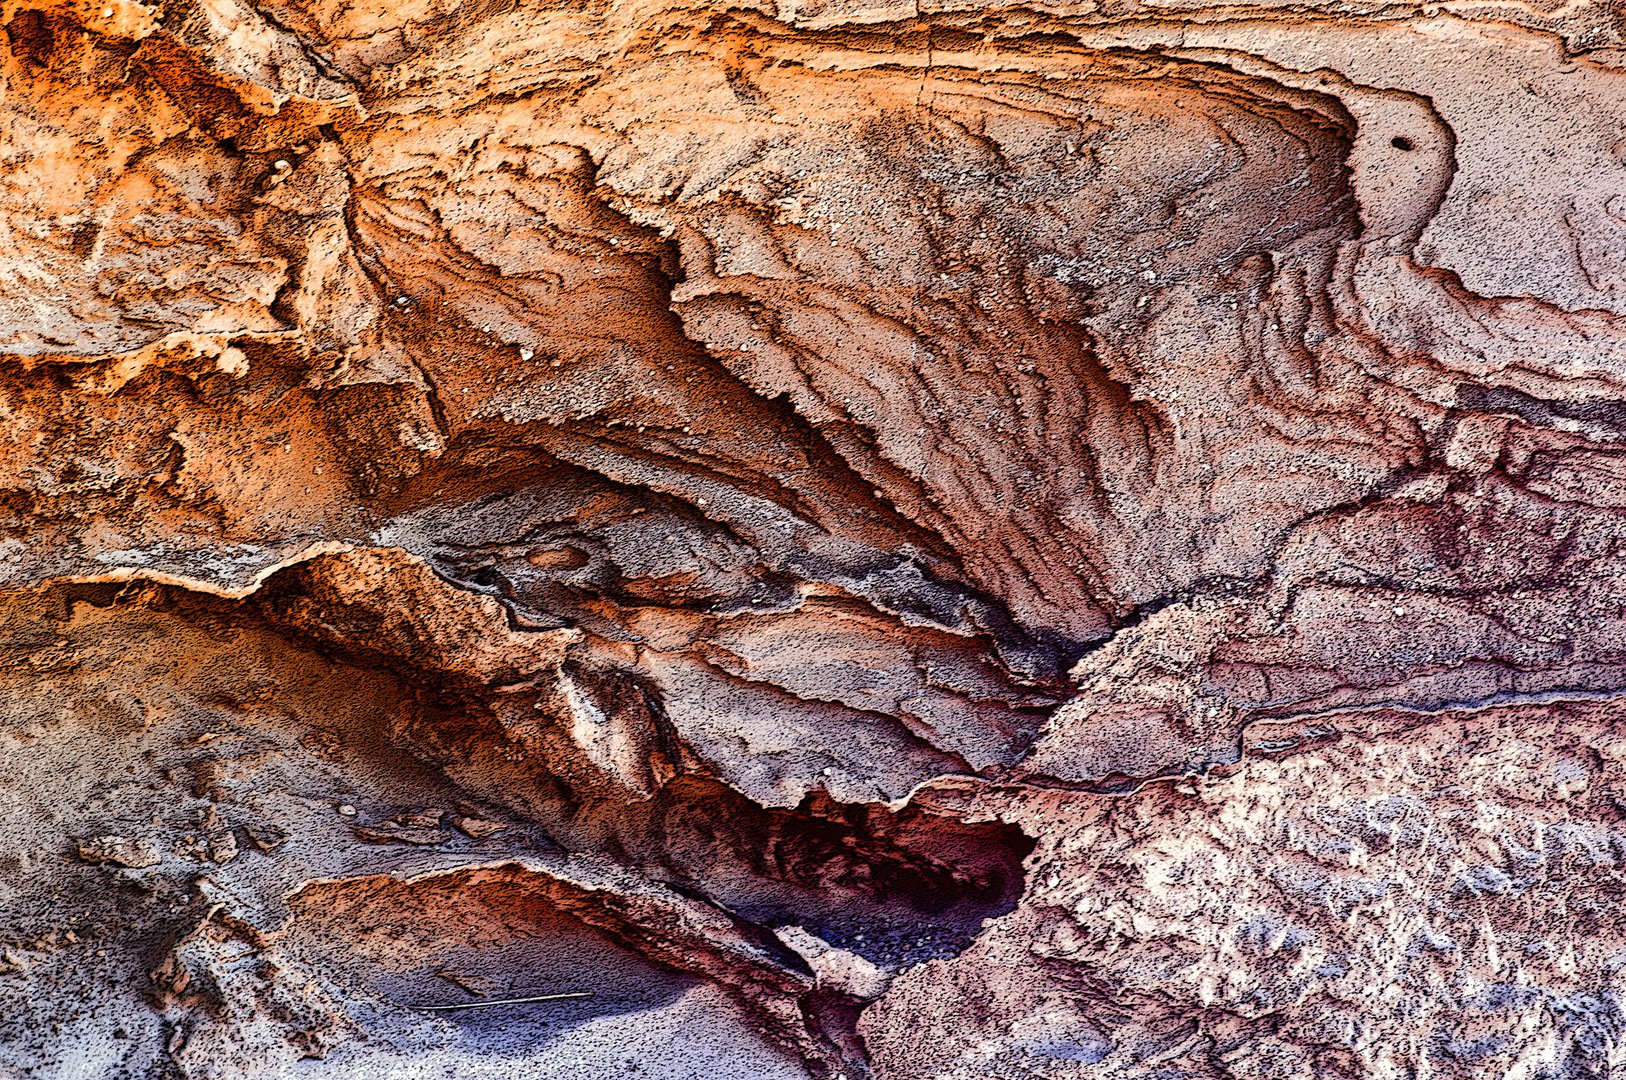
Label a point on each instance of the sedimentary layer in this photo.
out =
(914, 541)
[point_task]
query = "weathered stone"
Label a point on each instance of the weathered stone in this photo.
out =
(920, 541)
(135, 853)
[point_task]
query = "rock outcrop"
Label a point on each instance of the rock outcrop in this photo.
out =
(914, 541)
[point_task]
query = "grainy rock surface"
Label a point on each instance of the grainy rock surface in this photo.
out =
(914, 541)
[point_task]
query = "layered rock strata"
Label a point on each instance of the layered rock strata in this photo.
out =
(913, 541)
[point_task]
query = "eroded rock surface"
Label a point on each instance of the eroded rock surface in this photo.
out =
(914, 541)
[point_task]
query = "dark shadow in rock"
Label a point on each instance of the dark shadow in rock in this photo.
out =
(453, 939)
(897, 887)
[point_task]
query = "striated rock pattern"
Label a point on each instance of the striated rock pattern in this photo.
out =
(858, 539)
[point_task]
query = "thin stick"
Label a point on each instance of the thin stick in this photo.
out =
(506, 1001)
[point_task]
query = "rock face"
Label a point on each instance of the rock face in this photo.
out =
(897, 541)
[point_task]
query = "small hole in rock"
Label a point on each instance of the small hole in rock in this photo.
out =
(1400, 142)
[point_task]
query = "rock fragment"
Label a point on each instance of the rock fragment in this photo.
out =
(477, 828)
(396, 833)
(133, 852)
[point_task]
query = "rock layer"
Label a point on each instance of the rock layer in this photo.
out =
(915, 541)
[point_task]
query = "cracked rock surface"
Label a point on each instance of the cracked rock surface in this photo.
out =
(875, 540)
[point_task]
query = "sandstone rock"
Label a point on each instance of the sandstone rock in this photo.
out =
(133, 852)
(264, 838)
(392, 833)
(913, 541)
(478, 828)
(840, 970)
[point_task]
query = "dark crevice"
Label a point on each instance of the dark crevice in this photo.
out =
(896, 886)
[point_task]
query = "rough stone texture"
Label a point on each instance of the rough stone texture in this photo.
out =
(900, 540)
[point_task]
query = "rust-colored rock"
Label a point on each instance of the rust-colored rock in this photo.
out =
(880, 540)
